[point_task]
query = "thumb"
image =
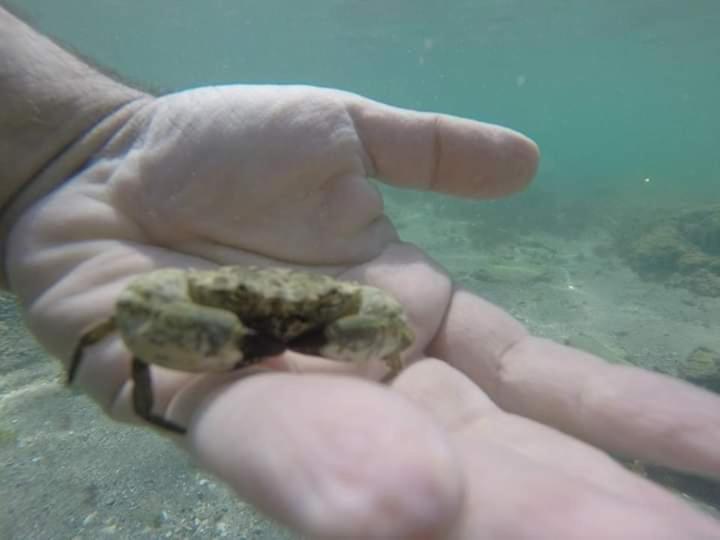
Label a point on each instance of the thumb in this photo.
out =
(331, 457)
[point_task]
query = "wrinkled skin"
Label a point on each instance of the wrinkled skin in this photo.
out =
(489, 422)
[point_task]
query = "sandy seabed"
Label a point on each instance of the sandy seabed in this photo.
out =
(66, 471)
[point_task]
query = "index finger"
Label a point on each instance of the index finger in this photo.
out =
(442, 153)
(622, 409)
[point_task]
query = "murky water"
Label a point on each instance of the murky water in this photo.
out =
(622, 99)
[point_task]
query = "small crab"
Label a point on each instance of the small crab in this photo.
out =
(235, 316)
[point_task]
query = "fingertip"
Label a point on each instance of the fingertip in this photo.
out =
(411, 494)
(486, 161)
(523, 162)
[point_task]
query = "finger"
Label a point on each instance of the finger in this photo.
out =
(622, 409)
(458, 404)
(329, 456)
(627, 410)
(442, 153)
(566, 488)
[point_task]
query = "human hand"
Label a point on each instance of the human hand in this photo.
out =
(278, 175)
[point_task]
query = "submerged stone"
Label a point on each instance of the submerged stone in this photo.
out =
(681, 249)
(702, 367)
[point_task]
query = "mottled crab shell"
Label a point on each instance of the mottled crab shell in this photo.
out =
(282, 302)
(214, 320)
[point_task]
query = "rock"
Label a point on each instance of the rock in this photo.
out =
(702, 367)
(681, 249)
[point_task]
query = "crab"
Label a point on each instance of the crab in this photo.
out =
(233, 317)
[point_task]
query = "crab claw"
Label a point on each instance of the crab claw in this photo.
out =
(257, 346)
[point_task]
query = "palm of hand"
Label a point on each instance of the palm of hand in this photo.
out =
(277, 173)
(273, 176)
(214, 176)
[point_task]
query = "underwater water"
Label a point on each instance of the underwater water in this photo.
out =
(622, 98)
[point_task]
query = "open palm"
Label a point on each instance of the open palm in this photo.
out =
(279, 175)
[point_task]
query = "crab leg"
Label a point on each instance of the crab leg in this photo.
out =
(143, 397)
(90, 337)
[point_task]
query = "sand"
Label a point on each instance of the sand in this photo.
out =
(69, 472)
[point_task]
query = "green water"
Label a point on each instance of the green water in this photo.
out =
(621, 96)
(613, 91)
